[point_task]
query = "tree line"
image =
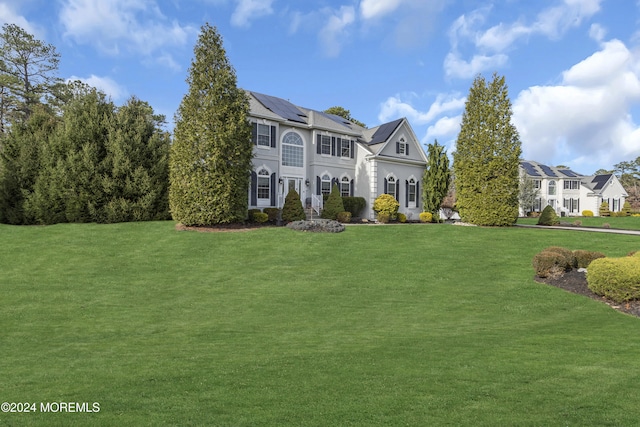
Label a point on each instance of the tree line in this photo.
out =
(67, 152)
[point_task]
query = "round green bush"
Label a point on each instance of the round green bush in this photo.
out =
(260, 217)
(548, 216)
(615, 278)
(273, 213)
(584, 258)
(402, 218)
(252, 212)
(344, 217)
(549, 264)
(292, 209)
(587, 213)
(383, 218)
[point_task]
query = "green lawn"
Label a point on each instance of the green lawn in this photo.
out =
(380, 325)
(623, 223)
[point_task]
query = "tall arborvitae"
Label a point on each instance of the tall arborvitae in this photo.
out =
(435, 181)
(210, 159)
(487, 159)
(136, 179)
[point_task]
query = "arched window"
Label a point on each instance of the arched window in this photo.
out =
(326, 184)
(412, 193)
(264, 185)
(292, 150)
(552, 188)
(392, 187)
(345, 187)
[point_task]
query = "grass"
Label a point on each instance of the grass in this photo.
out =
(379, 325)
(623, 223)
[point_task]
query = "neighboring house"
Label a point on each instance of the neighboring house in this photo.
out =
(571, 193)
(306, 150)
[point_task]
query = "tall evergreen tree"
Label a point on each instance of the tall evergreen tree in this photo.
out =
(210, 158)
(487, 159)
(136, 180)
(435, 181)
(20, 162)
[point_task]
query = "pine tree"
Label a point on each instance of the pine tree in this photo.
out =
(435, 181)
(334, 204)
(210, 159)
(136, 182)
(486, 163)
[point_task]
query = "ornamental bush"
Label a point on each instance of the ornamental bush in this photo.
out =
(252, 213)
(402, 218)
(626, 208)
(273, 214)
(334, 205)
(386, 204)
(426, 217)
(615, 278)
(260, 217)
(292, 209)
(344, 217)
(354, 205)
(587, 213)
(553, 262)
(383, 218)
(548, 217)
(604, 209)
(584, 258)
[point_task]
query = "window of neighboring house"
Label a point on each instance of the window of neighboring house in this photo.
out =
(537, 184)
(570, 184)
(345, 148)
(572, 205)
(392, 187)
(552, 188)
(264, 185)
(537, 204)
(412, 192)
(325, 145)
(345, 187)
(326, 184)
(264, 135)
(292, 150)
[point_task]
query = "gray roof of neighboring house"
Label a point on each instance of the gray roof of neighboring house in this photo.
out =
(595, 183)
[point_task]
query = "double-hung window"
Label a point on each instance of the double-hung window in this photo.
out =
(325, 184)
(392, 187)
(325, 145)
(345, 187)
(571, 184)
(264, 135)
(264, 185)
(552, 188)
(412, 192)
(345, 148)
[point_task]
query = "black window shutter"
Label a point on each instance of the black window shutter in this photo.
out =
(254, 133)
(406, 149)
(273, 189)
(273, 137)
(385, 186)
(333, 145)
(397, 147)
(418, 197)
(351, 189)
(318, 144)
(254, 188)
(406, 196)
(352, 147)
(318, 186)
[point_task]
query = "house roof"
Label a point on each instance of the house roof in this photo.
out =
(383, 132)
(535, 170)
(599, 181)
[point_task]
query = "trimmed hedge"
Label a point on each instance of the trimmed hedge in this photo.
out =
(584, 258)
(273, 213)
(354, 205)
(553, 261)
(615, 278)
(426, 217)
(587, 213)
(344, 217)
(548, 217)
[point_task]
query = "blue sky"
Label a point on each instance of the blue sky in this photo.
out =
(572, 66)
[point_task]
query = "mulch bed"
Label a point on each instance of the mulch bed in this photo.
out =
(576, 282)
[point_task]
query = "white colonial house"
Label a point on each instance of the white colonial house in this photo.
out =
(306, 150)
(571, 193)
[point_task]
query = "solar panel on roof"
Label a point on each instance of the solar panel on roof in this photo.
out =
(547, 170)
(281, 107)
(569, 173)
(335, 118)
(600, 181)
(384, 132)
(529, 169)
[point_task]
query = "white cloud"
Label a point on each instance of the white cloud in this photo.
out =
(371, 9)
(105, 84)
(335, 31)
(132, 26)
(9, 15)
(395, 107)
(585, 120)
(490, 44)
(446, 128)
(246, 10)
